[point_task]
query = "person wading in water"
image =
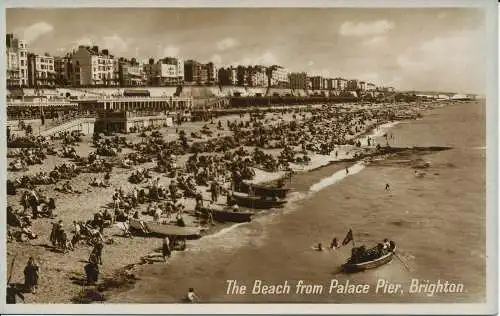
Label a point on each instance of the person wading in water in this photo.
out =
(166, 251)
(191, 296)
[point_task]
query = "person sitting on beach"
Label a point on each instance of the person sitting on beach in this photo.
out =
(67, 187)
(180, 220)
(387, 187)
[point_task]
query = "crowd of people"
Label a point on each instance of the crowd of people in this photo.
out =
(218, 164)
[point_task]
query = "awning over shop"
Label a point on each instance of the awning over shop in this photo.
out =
(136, 93)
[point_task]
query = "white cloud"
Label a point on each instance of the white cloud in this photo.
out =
(226, 43)
(350, 28)
(376, 40)
(370, 77)
(171, 51)
(266, 59)
(34, 31)
(321, 72)
(310, 63)
(455, 62)
(85, 40)
(216, 59)
(115, 44)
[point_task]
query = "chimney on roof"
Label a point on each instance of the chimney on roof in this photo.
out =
(105, 52)
(95, 49)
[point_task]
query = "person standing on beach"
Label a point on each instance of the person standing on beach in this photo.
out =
(31, 275)
(346, 170)
(387, 187)
(96, 254)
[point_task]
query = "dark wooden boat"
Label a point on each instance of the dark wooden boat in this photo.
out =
(226, 214)
(263, 190)
(354, 267)
(260, 202)
(164, 230)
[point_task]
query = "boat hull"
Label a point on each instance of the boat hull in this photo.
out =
(165, 230)
(256, 202)
(355, 267)
(262, 190)
(227, 215)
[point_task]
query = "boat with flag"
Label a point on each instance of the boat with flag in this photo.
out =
(363, 259)
(378, 259)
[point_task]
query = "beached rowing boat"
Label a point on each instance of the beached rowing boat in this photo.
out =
(263, 190)
(260, 202)
(226, 214)
(353, 267)
(164, 230)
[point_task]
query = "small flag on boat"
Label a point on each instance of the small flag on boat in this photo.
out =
(347, 238)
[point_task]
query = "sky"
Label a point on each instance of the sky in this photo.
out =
(438, 49)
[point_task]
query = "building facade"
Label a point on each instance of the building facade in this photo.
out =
(168, 71)
(212, 73)
(63, 70)
(318, 83)
(92, 67)
(340, 84)
(330, 84)
(130, 73)
(17, 61)
(278, 77)
(198, 73)
(352, 85)
(256, 76)
(228, 76)
(371, 87)
(41, 71)
(298, 80)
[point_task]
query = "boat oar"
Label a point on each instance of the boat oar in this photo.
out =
(404, 264)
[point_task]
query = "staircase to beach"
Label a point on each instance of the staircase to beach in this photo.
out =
(84, 123)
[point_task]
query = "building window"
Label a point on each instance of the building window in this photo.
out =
(22, 62)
